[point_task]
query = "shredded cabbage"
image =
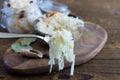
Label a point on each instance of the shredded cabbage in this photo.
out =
(61, 43)
(57, 22)
(61, 46)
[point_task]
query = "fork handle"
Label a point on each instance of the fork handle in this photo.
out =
(12, 35)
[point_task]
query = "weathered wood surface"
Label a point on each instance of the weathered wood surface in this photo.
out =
(87, 46)
(106, 65)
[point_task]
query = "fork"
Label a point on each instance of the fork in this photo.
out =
(13, 35)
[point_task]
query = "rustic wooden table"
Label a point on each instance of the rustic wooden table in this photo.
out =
(106, 65)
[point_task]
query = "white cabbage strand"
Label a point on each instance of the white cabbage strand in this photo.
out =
(62, 46)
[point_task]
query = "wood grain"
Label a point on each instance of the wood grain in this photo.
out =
(105, 66)
(87, 45)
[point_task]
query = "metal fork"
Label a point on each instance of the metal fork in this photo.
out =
(13, 35)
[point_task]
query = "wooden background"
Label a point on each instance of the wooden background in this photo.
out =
(106, 65)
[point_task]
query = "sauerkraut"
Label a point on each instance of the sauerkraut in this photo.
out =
(58, 21)
(62, 46)
(21, 15)
(61, 28)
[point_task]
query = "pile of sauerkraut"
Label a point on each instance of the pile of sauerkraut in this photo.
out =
(20, 15)
(61, 28)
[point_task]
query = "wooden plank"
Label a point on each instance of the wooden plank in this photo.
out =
(113, 39)
(100, 66)
(108, 54)
(85, 76)
(105, 66)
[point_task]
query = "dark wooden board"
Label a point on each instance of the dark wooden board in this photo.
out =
(86, 47)
(104, 66)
